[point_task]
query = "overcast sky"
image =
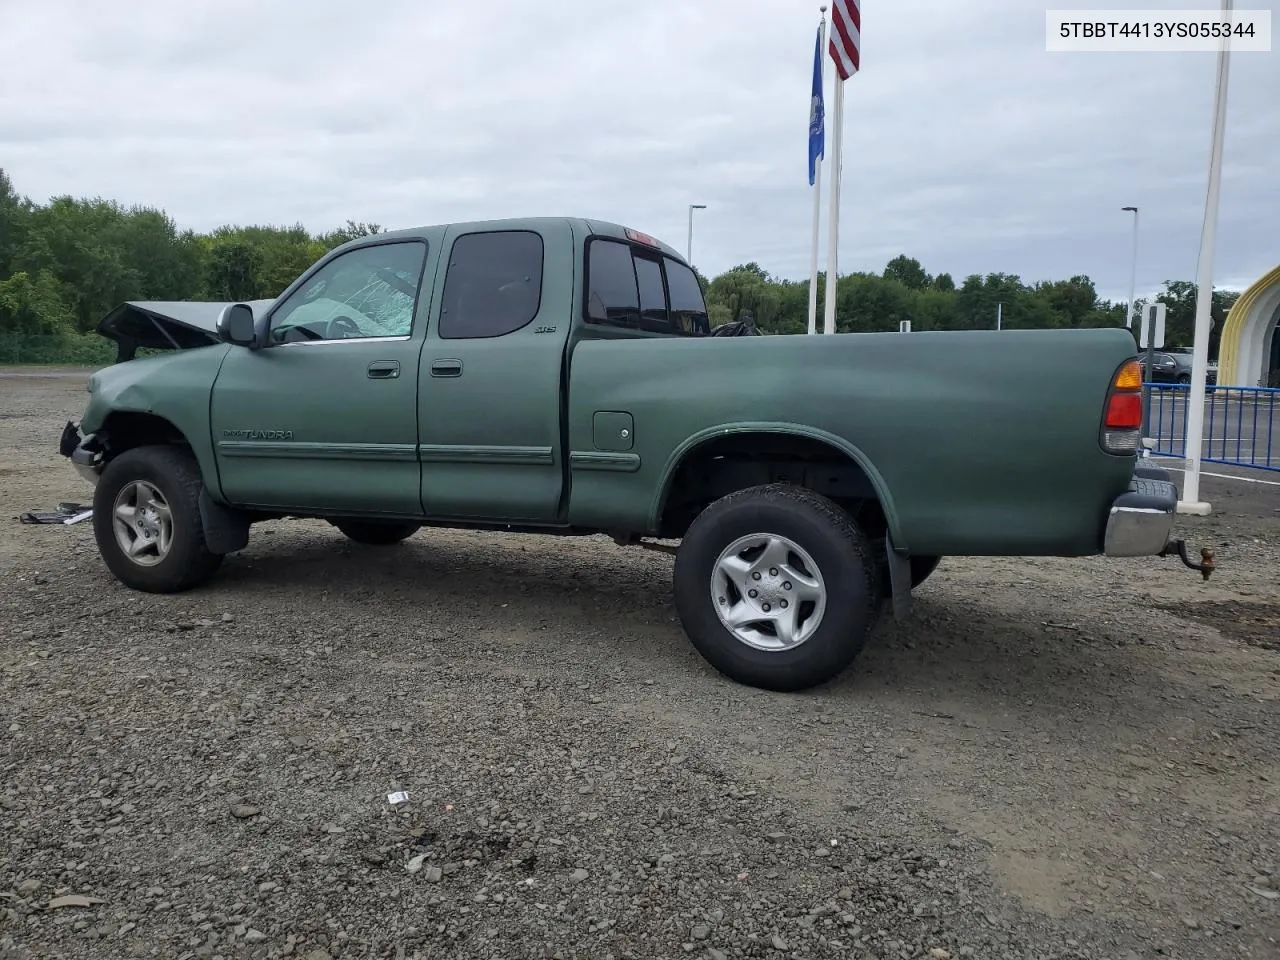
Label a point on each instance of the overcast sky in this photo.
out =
(966, 144)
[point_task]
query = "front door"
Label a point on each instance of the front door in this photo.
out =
(324, 418)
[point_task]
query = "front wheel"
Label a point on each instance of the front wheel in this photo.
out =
(776, 587)
(146, 520)
(922, 568)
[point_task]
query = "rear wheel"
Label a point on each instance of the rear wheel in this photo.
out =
(146, 520)
(376, 533)
(776, 587)
(922, 568)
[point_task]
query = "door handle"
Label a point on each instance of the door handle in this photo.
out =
(446, 368)
(384, 369)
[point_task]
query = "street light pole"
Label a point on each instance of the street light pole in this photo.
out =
(692, 207)
(1133, 270)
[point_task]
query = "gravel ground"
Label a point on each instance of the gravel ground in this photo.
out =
(1052, 759)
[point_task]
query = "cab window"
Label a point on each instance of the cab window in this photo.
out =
(493, 286)
(368, 292)
(688, 310)
(640, 289)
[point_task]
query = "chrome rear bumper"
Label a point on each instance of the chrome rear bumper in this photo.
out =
(1141, 519)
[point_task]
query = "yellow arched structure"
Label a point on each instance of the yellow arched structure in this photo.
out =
(1244, 354)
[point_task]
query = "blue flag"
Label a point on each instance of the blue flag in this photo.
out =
(817, 127)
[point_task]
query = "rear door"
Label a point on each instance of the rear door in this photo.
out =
(489, 405)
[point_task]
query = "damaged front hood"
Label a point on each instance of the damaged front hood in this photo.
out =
(166, 324)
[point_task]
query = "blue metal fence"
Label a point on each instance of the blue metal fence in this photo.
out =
(1241, 424)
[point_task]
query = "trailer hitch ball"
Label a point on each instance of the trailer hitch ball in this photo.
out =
(1206, 562)
(1178, 548)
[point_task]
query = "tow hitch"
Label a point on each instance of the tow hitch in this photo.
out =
(1179, 548)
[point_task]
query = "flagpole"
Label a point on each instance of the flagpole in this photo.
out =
(1194, 444)
(817, 191)
(845, 48)
(833, 213)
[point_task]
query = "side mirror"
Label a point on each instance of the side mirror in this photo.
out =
(236, 325)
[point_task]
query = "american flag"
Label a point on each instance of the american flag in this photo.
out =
(846, 27)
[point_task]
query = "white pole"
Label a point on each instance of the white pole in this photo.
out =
(833, 212)
(813, 258)
(689, 252)
(817, 193)
(999, 309)
(1133, 270)
(1190, 502)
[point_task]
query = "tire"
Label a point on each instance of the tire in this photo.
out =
(376, 533)
(169, 560)
(1185, 379)
(845, 567)
(922, 568)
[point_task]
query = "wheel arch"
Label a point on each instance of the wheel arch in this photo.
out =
(703, 442)
(123, 430)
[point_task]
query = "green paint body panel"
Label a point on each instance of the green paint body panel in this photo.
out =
(491, 437)
(175, 387)
(976, 442)
(352, 443)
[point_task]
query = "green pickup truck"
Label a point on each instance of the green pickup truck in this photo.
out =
(558, 375)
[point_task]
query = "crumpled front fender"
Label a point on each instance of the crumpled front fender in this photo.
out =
(174, 387)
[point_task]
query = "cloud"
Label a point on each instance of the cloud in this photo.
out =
(966, 144)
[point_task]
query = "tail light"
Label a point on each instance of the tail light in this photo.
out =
(1122, 418)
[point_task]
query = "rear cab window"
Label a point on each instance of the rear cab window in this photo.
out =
(493, 285)
(633, 287)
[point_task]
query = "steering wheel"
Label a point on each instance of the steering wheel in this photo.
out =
(341, 327)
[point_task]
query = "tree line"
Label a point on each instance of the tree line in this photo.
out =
(65, 263)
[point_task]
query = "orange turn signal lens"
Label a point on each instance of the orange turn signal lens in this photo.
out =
(1129, 377)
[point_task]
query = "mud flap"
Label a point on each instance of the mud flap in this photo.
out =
(225, 530)
(899, 578)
